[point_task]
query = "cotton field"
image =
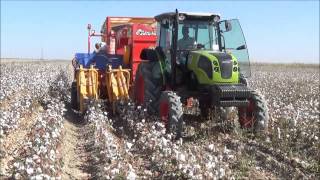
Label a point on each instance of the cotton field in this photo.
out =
(43, 138)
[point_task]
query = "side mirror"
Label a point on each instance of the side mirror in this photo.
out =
(148, 54)
(241, 47)
(228, 26)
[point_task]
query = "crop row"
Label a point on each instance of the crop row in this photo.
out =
(22, 86)
(145, 150)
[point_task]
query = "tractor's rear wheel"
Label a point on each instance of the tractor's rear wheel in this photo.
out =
(147, 91)
(74, 96)
(255, 116)
(171, 113)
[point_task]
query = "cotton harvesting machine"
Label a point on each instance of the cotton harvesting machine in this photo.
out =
(176, 65)
(108, 72)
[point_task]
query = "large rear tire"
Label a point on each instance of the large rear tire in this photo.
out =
(74, 96)
(171, 113)
(147, 90)
(255, 116)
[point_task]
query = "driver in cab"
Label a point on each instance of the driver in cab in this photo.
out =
(186, 42)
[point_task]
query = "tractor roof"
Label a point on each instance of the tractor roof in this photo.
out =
(189, 15)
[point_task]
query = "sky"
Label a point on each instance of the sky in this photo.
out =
(283, 32)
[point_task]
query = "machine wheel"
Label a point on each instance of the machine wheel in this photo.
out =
(74, 96)
(147, 91)
(171, 112)
(255, 115)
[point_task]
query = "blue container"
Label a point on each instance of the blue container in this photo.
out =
(84, 59)
(101, 60)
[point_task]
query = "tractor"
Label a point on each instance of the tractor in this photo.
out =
(198, 58)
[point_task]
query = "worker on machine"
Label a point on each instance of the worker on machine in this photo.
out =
(186, 42)
(99, 47)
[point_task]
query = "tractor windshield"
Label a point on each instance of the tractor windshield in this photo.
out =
(196, 35)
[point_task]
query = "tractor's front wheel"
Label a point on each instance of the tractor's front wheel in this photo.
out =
(243, 80)
(74, 96)
(170, 110)
(255, 116)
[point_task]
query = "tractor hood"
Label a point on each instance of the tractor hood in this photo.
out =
(219, 67)
(225, 63)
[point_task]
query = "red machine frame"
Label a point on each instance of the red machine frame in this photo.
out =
(127, 36)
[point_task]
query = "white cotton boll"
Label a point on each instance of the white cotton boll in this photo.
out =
(29, 170)
(182, 157)
(29, 160)
(129, 145)
(52, 155)
(52, 168)
(115, 171)
(221, 172)
(39, 170)
(279, 133)
(211, 147)
(184, 171)
(147, 172)
(210, 174)
(226, 150)
(131, 176)
(164, 141)
(17, 176)
(191, 174)
(180, 141)
(210, 165)
(163, 131)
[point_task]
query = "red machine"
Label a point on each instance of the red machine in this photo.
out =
(127, 36)
(108, 73)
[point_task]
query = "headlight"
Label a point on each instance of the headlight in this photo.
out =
(235, 69)
(235, 63)
(216, 69)
(215, 63)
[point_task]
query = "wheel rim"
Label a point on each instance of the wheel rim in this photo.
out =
(246, 115)
(164, 112)
(140, 90)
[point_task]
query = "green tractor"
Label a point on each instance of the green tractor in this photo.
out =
(199, 61)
